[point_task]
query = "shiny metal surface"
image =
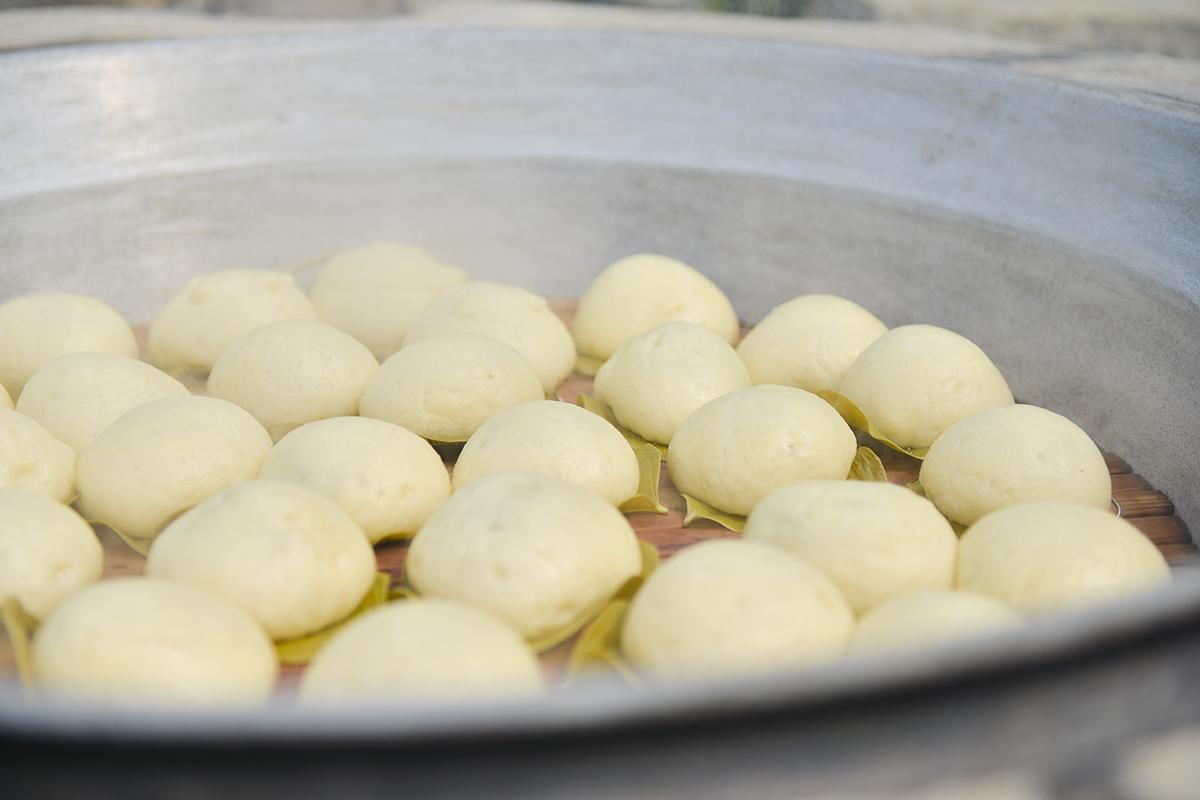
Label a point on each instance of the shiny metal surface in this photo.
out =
(1053, 225)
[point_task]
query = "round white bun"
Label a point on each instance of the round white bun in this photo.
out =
(292, 372)
(874, 540)
(33, 460)
(729, 606)
(1011, 455)
(519, 318)
(534, 551)
(1050, 555)
(289, 557)
(420, 648)
(141, 640)
(199, 322)
(445, 387)
(164, 457)
(809, 342)
(736, 449)
(77, 396)
(930, 617)
(658, 379)
(40, 327)
(640, 293)
(916, 381)
(374, 291)
(552, 438)
(47, 551)
(387, 479)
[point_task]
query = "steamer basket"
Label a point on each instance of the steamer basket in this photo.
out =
(1056, 226)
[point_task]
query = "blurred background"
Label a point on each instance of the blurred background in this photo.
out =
(1164, 27)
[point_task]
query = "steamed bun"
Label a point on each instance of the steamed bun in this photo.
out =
(519, 318)
(737, 448)
(728, 606)
(164, 457)
(77, 396)
(387, 479)
(557, 439)
(534, 551)
(445, 387)
(32, 459)
(47, 551)
(292, 372)
(421, 648)
(640, 293)
(373, 292)
(1011, 455)
(39, 327)
(657, 379)
(290, 558)
(875, 540)
(809, 342)
(141, 640)
(916, 381)
(1051, 555)
(199, 322)
(930, 617)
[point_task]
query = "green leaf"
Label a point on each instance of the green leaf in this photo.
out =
(918, 489)
(398, 536)
(588, 365)
(627, 590)
(401, 592)
(867, 466)
(698, 509)
(649, 459)
(138, 544)
(19, 626)
(855, 418)
(301, 650)
(598, 649)
(601, 409)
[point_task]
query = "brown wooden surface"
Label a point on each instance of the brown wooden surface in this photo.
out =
(1146, 508)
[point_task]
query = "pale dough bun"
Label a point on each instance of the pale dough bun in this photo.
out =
(1011, 455)
(534, 551)
(930, 617)
(199, 322)
(420, 649)
(916, 381)
(387, 479)
(519, 318)
(658, 379)
(874, 540)
(77, 396)
(736, 449)
(289, 557)
(141, 640)
(729, 606)
(5, 401)
(641, 292)
(809, 342)
(47, 551)
(33, 460)
(373, 292)
(552, 438)
(39, 327)
(445, 387)
(292, 372)
(1050, 555)
(164, 457)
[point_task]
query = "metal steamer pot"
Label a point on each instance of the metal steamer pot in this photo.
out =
(1054, 225)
